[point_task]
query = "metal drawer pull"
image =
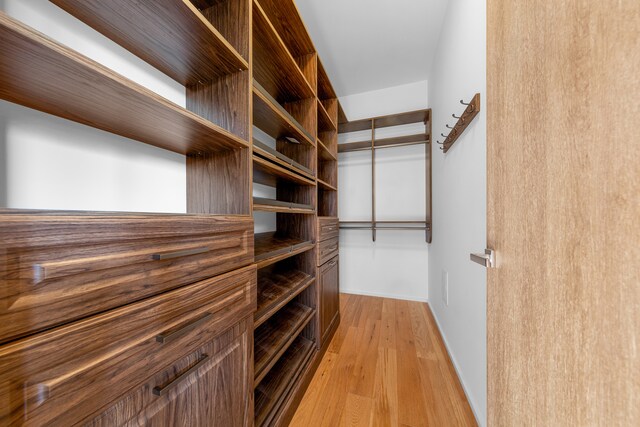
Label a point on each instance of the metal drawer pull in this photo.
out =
(161, 391)
(169, 336)
(332, 263)
(332, 248)
(488, 259)
(178, 254)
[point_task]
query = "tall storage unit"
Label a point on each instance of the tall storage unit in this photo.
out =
(175, 319)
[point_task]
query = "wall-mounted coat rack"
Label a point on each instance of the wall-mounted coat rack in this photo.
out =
(472, 110)
(372, 144)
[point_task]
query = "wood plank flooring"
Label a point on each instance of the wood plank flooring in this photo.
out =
(386, 366)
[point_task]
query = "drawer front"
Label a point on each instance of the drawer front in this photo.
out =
(208, 387)
(63, 375)
(61, 268)
(327, 250)
(328, 228)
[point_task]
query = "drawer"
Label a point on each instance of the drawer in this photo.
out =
(61, 376)
(328, 228)
(327, 250)
(59, 268)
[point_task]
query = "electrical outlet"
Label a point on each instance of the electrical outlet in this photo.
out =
(445, 288)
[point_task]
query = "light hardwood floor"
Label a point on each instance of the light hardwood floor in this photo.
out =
(386, 366)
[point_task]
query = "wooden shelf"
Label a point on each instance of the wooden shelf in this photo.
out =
(268, 173)
(274, 336)
(323, 152)
(325, 186)
(419, 116)
(270, 205)
(324, 120)
(272, 118)
(325, 88)
(273, 66)
(286, 19)
(398, 141)
(277, 288)
(270, 248)
(275, 156)
(272, 392)
(171, 35)
(44, 75)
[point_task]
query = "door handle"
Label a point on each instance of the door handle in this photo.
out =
(487, 259)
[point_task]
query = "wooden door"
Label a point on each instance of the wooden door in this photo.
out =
(210, 387)
(329, 295)
(563, 163)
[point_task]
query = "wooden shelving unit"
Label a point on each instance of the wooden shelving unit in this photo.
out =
(274, 336)
(277, 288)
(274, 390)
(270, 247)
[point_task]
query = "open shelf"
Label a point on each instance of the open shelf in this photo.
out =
(268, 173)
(272, 392)
(274, 336)
(273, 119)
(44, 75)
(384, 143)
(270, 247)
(277, 288)
(323, 152)
(275, 156)
(171, 35)
(385, 121)
(325, 88)
(325, 186)
(270, 205)
(325, 123)
(273, 66)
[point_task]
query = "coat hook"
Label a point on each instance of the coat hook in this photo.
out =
(456, 117)
(441, 143)
(442, 148)
(464, 103)
(443, 135)
(447, 125)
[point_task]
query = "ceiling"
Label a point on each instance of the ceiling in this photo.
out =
(373, 44)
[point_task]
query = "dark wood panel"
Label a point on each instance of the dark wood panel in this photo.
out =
(209, 387)
(59, 268)
(328, 172)
(287, 21)
(272, 392)
(327, 202)
(325, 88)
(323, 152)
(328, 227)
(232, 18)
(224, 102)
(276, 288)
(41, 74)
(60, 376)
(326, 186)
(331, 105)
(171, 35)
(271, 247)
(305, 111)
(270, 117)
(325, 122)
(327, 249)
(220, 184)
(273, 66)
(329, 289)
(269, 173)
(274, 336)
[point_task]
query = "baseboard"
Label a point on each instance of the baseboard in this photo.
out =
(383, 295)
(454, 362)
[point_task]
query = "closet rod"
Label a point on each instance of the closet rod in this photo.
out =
(371, 227)
(384, 146)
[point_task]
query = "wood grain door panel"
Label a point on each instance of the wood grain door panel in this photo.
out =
(58, 268)
(62, 375)
(563, 308)
(328, 228)
(327, 250)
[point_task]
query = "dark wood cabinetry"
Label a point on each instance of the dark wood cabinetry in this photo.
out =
(328, 285)
(142, 319)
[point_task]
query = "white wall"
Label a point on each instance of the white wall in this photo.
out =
(51, 163)
(459, 197)
(395, 265)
